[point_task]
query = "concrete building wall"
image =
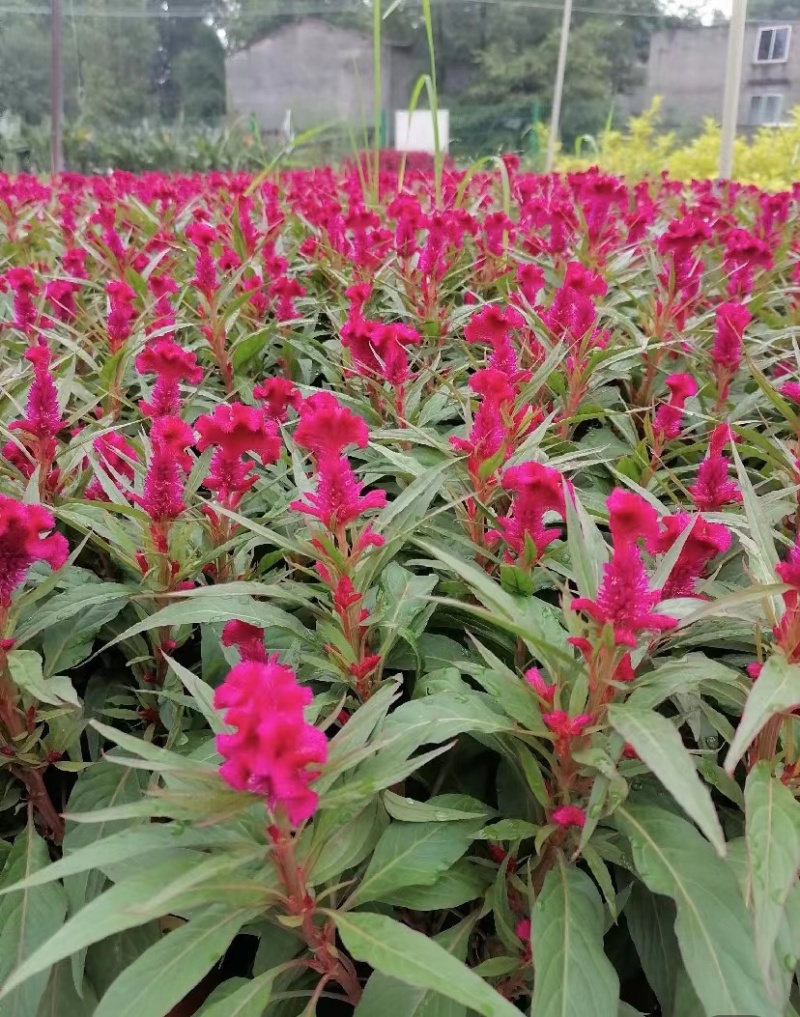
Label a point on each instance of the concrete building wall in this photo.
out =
(319, 71)
(687, 69)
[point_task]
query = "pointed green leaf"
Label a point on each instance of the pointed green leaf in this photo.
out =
(712, 925)
(395, 950)
(173, 966)
(27, 919)
(658, 744)
(248, 1000)
(61, 998)
(412, 854)
(573, 974)
(773, 852)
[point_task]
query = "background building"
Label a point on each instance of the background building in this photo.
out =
(320, 72)
(686, 67)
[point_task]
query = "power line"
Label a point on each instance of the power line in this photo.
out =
(204, 12)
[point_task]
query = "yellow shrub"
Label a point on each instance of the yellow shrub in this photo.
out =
(771, 159)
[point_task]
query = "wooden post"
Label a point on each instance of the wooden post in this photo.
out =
(733, 83)
(558, 88)
(56, 89)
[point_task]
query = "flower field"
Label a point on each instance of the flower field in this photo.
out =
(399, 595)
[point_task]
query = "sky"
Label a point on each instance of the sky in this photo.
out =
(706, 8)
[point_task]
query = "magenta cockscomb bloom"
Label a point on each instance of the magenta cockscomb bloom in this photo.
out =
(22, 283)
(22, 544)
(537, 490)
(171, 364)
(276, 395)
(273, 751)
(490, 429)
(492, 324)
(564, 726)
(248, 639)
(705, 541)
(121, 313)
(235, 430)
(566, 816)
(625, 600)
(732, 318)
(42, 420)
(114, 452)
(202, 236)
(163, 486)
(338, 500)
(713, 488)
(326, 427)
(533, 676)
(668, 421)
(791, 390)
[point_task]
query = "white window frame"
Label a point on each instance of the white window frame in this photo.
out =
(773, 28)
(763, 96)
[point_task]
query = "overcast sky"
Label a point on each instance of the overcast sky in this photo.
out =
(705, 7)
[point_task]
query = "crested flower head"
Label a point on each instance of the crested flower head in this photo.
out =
(273, 751)
(248, 639)
(537, 490)
(115, 453)
(326, 427)
(171, 364)
(22, 543)
(669, 416)
(568, 815)
(236, 429)
(625, 601)
(705, 541)
(713, 488)
(731, 320)
(276, 395)
(162, 499)
(338, 500)
(42, 417)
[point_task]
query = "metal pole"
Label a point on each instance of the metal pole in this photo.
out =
(56, 81)
(558, 88)
(733, 83)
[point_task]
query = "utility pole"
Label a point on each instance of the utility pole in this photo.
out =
(558, 88)
(733, 83)
(56, 88)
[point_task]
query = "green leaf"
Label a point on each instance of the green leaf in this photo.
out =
(395, 950)
(106, 960)
(75, 601)
(695, 670)
(169, 886)
(348, 844)
(61, 998)
(102, 785)
(651, 923)
(202, 610)
(412, 854)
(712, 925)
(201, 693)
(26, 671)
(773, 852)
(658, 744)
(573, 974)
(248, 1000)
(173, 966)
(27, 919)
(463, 882)
(777, 690)
(385, 995)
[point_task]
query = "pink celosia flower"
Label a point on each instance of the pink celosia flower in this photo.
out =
(205, 270)
(491, 423)
(705, 541)
(273, 747)
(523, 930)
(338, 499)
(248, 639)
(713, 488)
(669, 416)
(564, 726)
(22, 283)
(326, 427)
(276, 395)
(114, 452)
(42, 416)
(172, 365)
(625, 600)
(491, 324)
(731, 320)
(121, 313)
(236, 429)
(529, 279)
(533, 677)
(791, 390)
(537, 490)
(22, 544)
(568, 815)
(163, 486)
